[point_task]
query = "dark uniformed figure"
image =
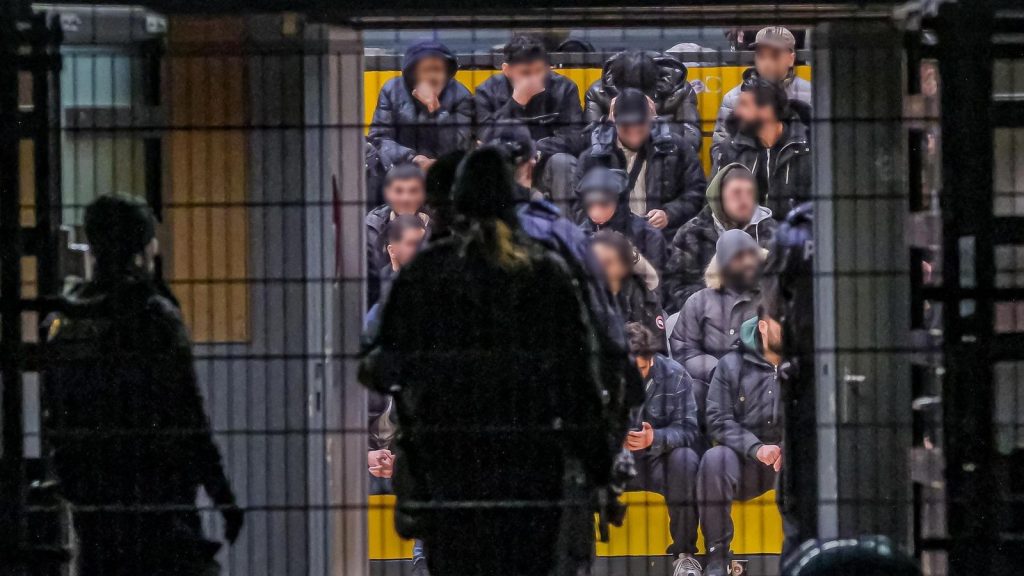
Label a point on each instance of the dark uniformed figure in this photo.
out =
(130, 438)
(487, 348)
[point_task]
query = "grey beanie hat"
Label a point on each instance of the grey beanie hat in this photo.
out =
(731, 243)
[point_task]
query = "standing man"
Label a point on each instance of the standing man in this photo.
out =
(774, 59)
(773, 143)
(131, 441)
(745, 420)
(425, 113)
(666, 181)
(527, 91)
(732, 204)
(662, 444)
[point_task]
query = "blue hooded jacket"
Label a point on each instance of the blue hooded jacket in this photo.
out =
(403, 128)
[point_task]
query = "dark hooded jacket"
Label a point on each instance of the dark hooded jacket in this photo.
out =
(693, 246)
(797, 89)
(669, 406)
(402, 128)
(128, 428)
(638, 304)
(659, 76)
(644, 237)
(709, 324)
(554, 116)
(674, 178)
(744, 408)
(783, 172)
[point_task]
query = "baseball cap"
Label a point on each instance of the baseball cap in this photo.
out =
(776, 37)
(631, 107)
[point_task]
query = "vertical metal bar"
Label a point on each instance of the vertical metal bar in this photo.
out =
(965, 63)
(12, 465)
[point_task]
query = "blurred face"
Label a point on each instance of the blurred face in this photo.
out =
(747, 112)
(771, 334)
(643, 364)
(402, 252)
(633, 136)
(613, 267)
(738, 200)
(523, 71)
(772, 63)
(601, 212)
(431, 70)
(743, 272)
(405, 196)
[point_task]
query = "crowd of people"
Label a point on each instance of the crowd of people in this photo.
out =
(668, 261)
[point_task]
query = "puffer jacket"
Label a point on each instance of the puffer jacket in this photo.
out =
(402, 128)
(669, 406)
(659, 76)
(709, 325)
(554, 116)
(693, 246)
(638, 304)
(744, 410)
(644, 237)
(674, 178)
(796, 89)
(784, 171)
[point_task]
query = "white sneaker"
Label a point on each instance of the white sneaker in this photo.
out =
(687, 565)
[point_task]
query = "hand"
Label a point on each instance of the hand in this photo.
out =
(423, 162)
(234, 519)
(524, 90)
(381, 463)
(427, 96)
(611, 110)
(640, 440)
(657, 218)
(652, 107)
(778, 463)
(769, 454)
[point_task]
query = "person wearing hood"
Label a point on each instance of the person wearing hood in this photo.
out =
(661, 77)
(529, 93)
(772, 142)
(709, 324)
(606, 206)
(424, 113)
(666, 180)
(488, 353)
(638, 303)
(774, 59)
(745, 420)
(732, 204)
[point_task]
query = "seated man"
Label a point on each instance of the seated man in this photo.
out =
(666, 181)
(662, 444)
(606, 207)
(745, 420)
(618, 259)
(709, 324)
(774, 58)
(424, 113)
(402, 238)
(661, 77)
(527, 91)
(404, 193)
(732, 204)
(771, 141)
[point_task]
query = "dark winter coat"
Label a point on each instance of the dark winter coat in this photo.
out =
(709, 325)
(693, 246)
(669, 406)
(674, 179)
(644, 237)
(638, 304)
(554, 116)
(659, 76)
(744, 408)
(784, 171)
(403, 128)
(797, 89)
(128, 428)
(492, 369)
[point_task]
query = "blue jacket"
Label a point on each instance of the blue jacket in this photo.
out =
(669, 406)
(403, 128)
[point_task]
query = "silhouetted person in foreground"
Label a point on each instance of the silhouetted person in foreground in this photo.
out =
(131, 441)
(485, 345)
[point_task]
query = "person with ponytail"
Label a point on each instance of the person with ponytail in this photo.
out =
(487, 349)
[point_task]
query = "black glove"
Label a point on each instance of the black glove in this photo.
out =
(234, 519)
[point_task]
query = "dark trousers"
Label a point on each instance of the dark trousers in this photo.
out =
(725, 477)
(673, 474)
